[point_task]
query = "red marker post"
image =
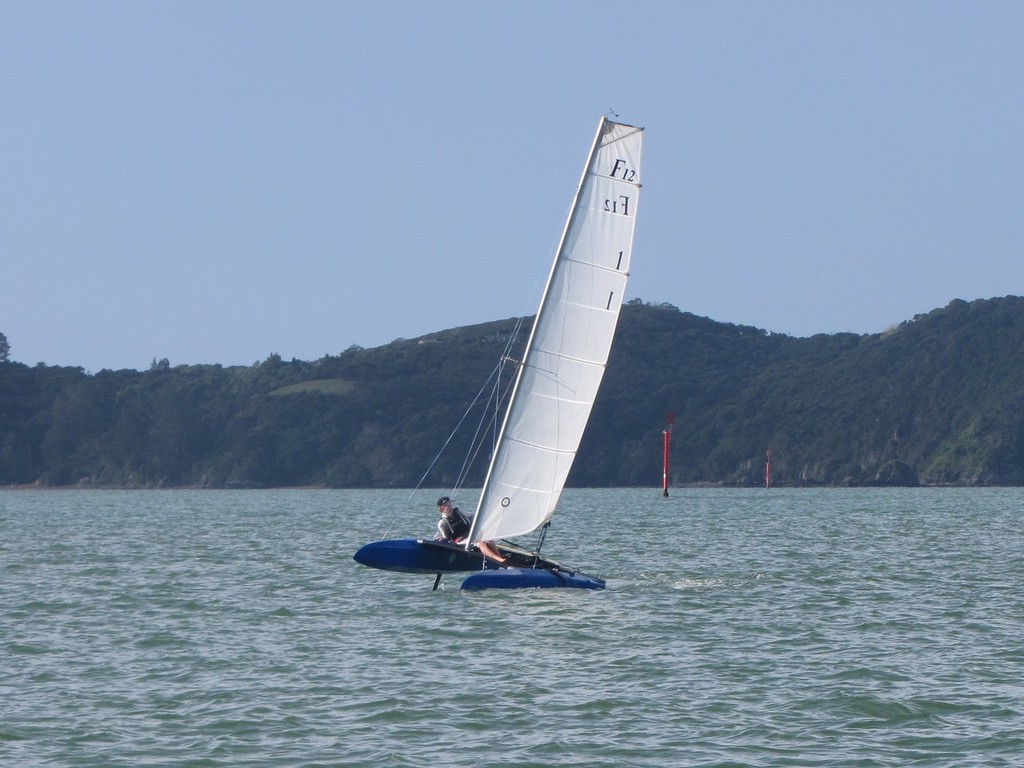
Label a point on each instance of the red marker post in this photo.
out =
(667, 439)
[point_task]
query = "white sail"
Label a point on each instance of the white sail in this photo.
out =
(568, 348)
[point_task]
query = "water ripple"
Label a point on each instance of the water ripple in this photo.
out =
(740, 628)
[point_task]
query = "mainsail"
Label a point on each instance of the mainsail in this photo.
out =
(568, 348)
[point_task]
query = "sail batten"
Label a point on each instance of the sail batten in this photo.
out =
(600, 268)
(569, 400)
(546, 448)
(567, 352)
(570, 358)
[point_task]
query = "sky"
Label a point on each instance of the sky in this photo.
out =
(216, 182)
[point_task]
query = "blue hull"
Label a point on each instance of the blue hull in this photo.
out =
(531, 578)
(418, 556)
(437, 557)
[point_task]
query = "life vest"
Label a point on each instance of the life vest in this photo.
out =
(455, 527)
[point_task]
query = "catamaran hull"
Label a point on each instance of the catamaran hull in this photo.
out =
(419, 556)
(531, 578)
(435, 557)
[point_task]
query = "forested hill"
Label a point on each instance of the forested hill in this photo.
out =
(938, 399)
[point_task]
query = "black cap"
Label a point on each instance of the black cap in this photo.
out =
(443, 500)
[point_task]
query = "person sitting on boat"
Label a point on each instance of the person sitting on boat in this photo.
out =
(453, 525)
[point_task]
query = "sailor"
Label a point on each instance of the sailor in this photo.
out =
(453, 525)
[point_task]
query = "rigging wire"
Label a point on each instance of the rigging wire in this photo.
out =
(489, 418)
(496, 396)
(455, 431)
(491, 411)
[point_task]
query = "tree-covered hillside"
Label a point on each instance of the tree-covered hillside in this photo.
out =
(938, 399)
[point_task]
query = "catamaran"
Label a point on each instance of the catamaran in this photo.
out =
(555, 387)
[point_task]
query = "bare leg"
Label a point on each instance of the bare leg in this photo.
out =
(488, 551)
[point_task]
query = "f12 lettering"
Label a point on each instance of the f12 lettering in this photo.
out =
(621, 171)
(620, 204)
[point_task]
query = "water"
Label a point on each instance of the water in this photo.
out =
(859, 627)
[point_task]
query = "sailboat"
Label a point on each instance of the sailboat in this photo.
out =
(555, 387)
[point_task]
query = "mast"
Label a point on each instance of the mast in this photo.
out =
(533, 331)
(567, 349)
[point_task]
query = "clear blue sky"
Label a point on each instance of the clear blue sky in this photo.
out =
(213, 182)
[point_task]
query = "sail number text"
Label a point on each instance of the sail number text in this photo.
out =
(621, 204)
(621, 171)
(618, 204)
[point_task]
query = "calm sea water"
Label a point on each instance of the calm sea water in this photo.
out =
(739, 628)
